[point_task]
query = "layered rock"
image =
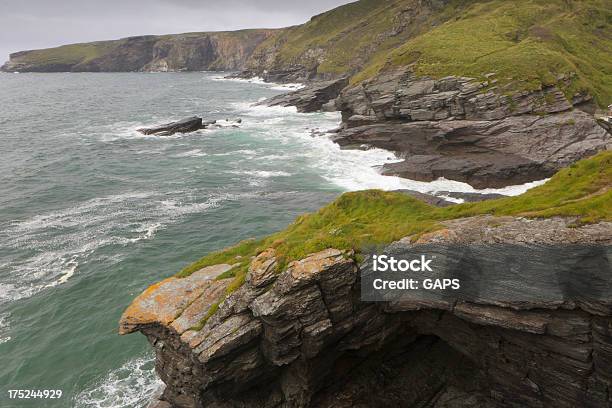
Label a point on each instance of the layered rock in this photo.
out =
(186, 125)
(315, 96)
(302, 337)
(470, 131)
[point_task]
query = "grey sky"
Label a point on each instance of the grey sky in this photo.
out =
(31, 24)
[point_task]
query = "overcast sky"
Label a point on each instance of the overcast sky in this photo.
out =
(31, 24)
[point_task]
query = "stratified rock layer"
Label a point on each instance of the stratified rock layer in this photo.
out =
(469, 131)
(303, 337)
(313, 97)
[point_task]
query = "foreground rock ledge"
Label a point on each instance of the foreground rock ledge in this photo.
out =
(303, 338)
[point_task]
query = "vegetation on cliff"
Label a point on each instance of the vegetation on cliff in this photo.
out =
(363, 219)
(189, 51)
(527, 43)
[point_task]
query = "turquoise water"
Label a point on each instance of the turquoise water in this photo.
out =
(91, 212)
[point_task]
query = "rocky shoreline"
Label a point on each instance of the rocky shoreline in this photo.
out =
(303, 337)
(459, 128)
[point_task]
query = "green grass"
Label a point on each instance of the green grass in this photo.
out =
(68, 54)
(373, 218)
(344, 39)
(527, 43)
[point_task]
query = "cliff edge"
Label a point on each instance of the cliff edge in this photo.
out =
(303, 338)
(282, 321)
(215, 51)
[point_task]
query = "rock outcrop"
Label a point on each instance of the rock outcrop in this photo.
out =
(313, 97)
(470, 131)
(459, 128)
(182, 126)
(302, 337)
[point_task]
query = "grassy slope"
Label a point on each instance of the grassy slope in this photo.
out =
(71, 54)
(528, 43)
(347, 36)
(371, 218)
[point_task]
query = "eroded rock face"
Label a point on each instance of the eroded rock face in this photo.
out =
(314, 97)
(303, 337)
(469, 131)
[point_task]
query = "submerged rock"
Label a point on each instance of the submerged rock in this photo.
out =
(303, 337)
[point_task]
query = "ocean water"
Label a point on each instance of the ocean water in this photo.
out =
(92, 212)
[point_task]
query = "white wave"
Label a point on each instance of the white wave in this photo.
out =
(131, 385)
(358, 170)
(4, 327)
(261, 81)
(252, 109)
(288, 87)
(241, 152)
(349, 169)
(191, 153)
(59, 242)
(72, 265)
(262, 173)
(148, 232)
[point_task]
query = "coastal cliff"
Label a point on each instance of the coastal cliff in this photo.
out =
(279, 321)
(217, 51)
(489, 93)
(303, 338)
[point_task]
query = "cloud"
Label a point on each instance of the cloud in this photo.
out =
(31, 24)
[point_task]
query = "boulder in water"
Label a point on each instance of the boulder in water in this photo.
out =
(182, 126)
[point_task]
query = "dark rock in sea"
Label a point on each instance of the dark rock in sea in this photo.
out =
(312, 98)
(470, 197)
(440, 198)
(292, 74)
(182, 126)
(303, 337)
(430, 199)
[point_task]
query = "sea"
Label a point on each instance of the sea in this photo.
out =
(92, 211)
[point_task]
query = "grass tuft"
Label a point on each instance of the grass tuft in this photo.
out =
(373, 218)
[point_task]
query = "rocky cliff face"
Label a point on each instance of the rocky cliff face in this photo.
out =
(302, 337)
(342, 41)
(181, 52)
(459, 128)
(468, 130)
